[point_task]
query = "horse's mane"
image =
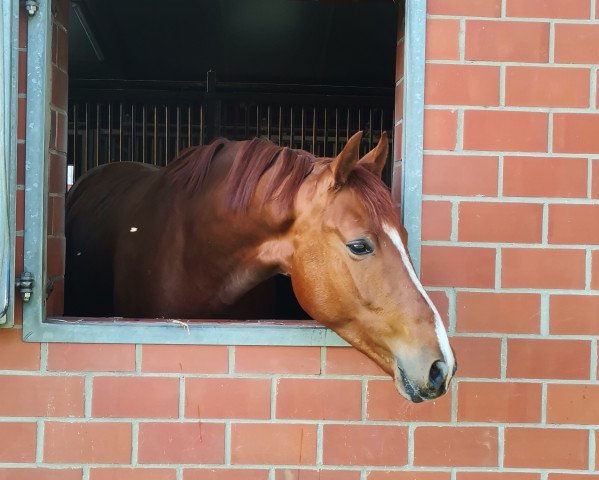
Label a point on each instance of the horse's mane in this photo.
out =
(254, 158)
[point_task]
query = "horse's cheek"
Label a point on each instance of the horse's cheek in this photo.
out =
(309, 287)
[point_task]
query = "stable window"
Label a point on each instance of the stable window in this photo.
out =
(240, 70)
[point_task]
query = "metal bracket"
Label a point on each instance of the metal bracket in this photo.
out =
(31, 6)
(25, 285)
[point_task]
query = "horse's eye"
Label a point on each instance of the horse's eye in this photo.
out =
(360, 247)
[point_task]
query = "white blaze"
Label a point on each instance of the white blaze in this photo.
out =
(439, 327)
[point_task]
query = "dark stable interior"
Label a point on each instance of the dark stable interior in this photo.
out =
(160, 51)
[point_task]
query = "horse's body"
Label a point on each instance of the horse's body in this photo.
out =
(191, 239)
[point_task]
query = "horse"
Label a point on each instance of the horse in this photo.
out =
(190, 239)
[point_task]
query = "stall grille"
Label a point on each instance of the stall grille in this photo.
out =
(152, 126)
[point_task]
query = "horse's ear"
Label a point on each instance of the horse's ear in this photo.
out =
(344, 163)
(375, 159)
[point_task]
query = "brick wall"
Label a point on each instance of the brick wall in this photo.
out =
(510, 244)
(510, 229)
(57, 156)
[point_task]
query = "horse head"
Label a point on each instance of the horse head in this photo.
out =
(350, 270)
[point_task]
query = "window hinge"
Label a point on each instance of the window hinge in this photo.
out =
(31, 7)
(25, 285)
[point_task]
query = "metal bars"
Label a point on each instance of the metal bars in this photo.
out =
(154, 133)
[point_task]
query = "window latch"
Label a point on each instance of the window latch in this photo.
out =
(25, 285)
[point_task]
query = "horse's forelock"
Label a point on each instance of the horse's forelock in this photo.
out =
(375, 196)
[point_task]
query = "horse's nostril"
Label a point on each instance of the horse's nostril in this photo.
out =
(437, 375)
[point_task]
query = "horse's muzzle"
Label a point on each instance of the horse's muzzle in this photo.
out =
(434, 387)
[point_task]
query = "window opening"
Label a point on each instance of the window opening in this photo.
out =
(233, 120)
(149, 116)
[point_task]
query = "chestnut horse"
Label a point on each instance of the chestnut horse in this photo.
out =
(190, 239)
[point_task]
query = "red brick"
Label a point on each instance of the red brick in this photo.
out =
(56, 216)
(321, 399)
(501, 130)
(220, 398)
(499, 402)
(399, 58)
(397, 177)
(56, 254)
(60, 88)
(547, 87)
(549, 9)
(81, 357)
(55, 301)
(119, 397)
(399, 102)
(595, 179)
(20, 214)
(132, 474)
(595, 270)
(15, 354)
(474, 8)
(462, 85)
(176, 443)
(445, 266)
(57, 174)
(257, 359)
(39, 473)
(572, 476)
(546, 448)
(62, 132)
(408, 475)
(440, 301)
(273, 444)
(37, 396)
(540, 358)
(20, 164)
(481, 312)
(436, 220)
(460, 175)
(477, 357)
(87, 442)
(574, 315)
(442, 39)
(440, 129)
(224, 474)
(573, 404)
(349, 361)
(455, 446)
(185, 359)
(21, 117)
(384, 403)
(500, 222)
(545, 177)
(365, 445)
(498, 476)
(17, 442)
(304, 474)
(503, 41)
(575, 132)
(62, 48)
(538, 268)
(22, 81)
(23, 23)
(574, 224)
(576, 43)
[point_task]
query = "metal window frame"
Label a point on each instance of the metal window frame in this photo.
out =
(35, 326)
(9, 44)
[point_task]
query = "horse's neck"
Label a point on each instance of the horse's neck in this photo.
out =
(238, 249)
